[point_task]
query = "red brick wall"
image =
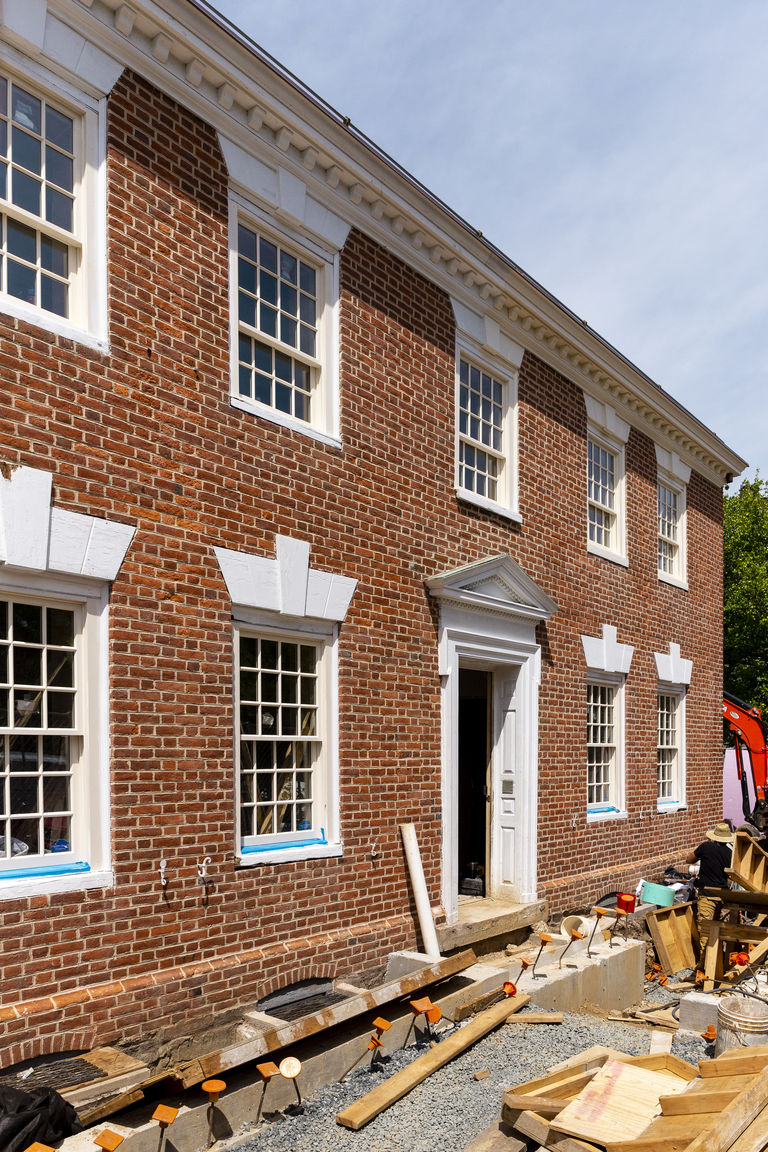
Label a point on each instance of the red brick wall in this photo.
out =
(146, 434)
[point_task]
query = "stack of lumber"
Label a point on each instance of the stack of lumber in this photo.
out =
(609, 1102)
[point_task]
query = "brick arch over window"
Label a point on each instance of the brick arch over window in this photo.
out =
(59, 1043)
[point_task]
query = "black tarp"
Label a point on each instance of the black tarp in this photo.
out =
(39, 1114)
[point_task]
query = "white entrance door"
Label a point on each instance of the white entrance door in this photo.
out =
(505, 878)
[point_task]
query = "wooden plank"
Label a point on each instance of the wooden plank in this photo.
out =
(711, 954)
(537, 1128)
(756, 958)
(621, 1101)
(214, 1063)
(732, 1121)
(472, 1007)
(357, 1115)
(522, 1102)
(661, 1040)
(664, 1062)
(536, 1018)
(749, 863)
(83, 1094)
(675, 936)
(736, 1061)
(695, 1103)
(755, 1137)
(561, 1085)
(110, 1106)
(739, 933)
(666, 1134)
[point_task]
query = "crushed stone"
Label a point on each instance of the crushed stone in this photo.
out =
(450, 1107)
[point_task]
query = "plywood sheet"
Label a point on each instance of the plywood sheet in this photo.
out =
(619, 1103)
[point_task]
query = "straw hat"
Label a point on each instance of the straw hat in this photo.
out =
(721, 833)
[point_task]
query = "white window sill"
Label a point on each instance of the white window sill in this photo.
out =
(11, 889)
(284, 421)
(52, 323)
(289, 855)
(675, 581)
(489, 505)
(672, 806)
(599, 817)
(606, 554)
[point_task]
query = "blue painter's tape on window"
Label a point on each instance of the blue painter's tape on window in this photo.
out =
(247, 851)
(54, 870)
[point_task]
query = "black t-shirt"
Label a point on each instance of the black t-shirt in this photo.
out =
(713, 859)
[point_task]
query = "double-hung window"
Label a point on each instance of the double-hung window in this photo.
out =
(607, 435)
(283, 798)
(670, 755)
(670, 505)
(486, 434)
(601, 747)
(37, 186)
(285, 352)
(51, 794)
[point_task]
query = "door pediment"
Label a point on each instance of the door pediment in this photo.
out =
(497, 584)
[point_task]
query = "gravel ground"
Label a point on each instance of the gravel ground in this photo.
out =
(448, 1109)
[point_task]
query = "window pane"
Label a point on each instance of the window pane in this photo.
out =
(58, 209)
(27, 623)
(27, 665)
(26, 109)
(26, 151)
(26, 192)
(22, 241)
(53, 296)
(59, 129)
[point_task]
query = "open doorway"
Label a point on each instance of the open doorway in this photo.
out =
(474, 747)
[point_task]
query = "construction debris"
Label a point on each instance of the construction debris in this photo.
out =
(654, 1103)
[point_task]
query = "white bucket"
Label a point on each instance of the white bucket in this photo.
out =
(741, 1023)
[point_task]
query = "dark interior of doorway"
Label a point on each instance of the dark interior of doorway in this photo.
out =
(474, 711)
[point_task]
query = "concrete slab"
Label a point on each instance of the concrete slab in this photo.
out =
(697, 1011)
(482, 918)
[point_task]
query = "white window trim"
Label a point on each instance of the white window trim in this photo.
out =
(320, 632)
(325, 424)
(606, 428)
(679, 578)
(617, 810)
(507, 506)
(284, 594)
(92, 782)
(674, 674)
(88, 322)
(679, 803)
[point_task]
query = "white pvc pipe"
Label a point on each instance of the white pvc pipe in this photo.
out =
(419, 885)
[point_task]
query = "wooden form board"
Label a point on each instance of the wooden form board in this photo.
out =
(357, 1115)
(214, 1063)
(675, 936)
(720, 933)
(749, 864)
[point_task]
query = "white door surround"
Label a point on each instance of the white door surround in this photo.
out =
(488, 616)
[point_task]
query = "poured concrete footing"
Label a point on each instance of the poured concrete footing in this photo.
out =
(612, 978)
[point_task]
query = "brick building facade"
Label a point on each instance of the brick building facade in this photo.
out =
(317, 516)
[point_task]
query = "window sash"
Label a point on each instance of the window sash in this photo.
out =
(601, 494)
(39, 185)
(601, 746)
(280, 742)
(279, 303)
(668, 753)
(483, 404)
(668, 516)
(41, 748)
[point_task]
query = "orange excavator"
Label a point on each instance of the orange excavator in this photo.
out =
(749, 736)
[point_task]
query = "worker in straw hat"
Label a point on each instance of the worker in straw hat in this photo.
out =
(713, 857)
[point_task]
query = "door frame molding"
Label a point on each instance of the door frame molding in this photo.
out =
(488, 613)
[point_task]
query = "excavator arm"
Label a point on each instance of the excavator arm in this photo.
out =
(749, 737)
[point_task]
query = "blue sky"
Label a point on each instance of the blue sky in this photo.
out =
(616, 150)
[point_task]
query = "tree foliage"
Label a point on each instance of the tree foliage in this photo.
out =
(745, 593)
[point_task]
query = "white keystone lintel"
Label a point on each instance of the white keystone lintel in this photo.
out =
(670, 462)
(487, 334)
(285, 584)
(605, 654)
(283, 192)
(36, 536)
(606, 418)
(72, 51)
(671, 667)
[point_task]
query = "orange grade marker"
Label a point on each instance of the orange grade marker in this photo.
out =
(109, 1140)
(165, 1115)
(38, 1147)
(214, 1088)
